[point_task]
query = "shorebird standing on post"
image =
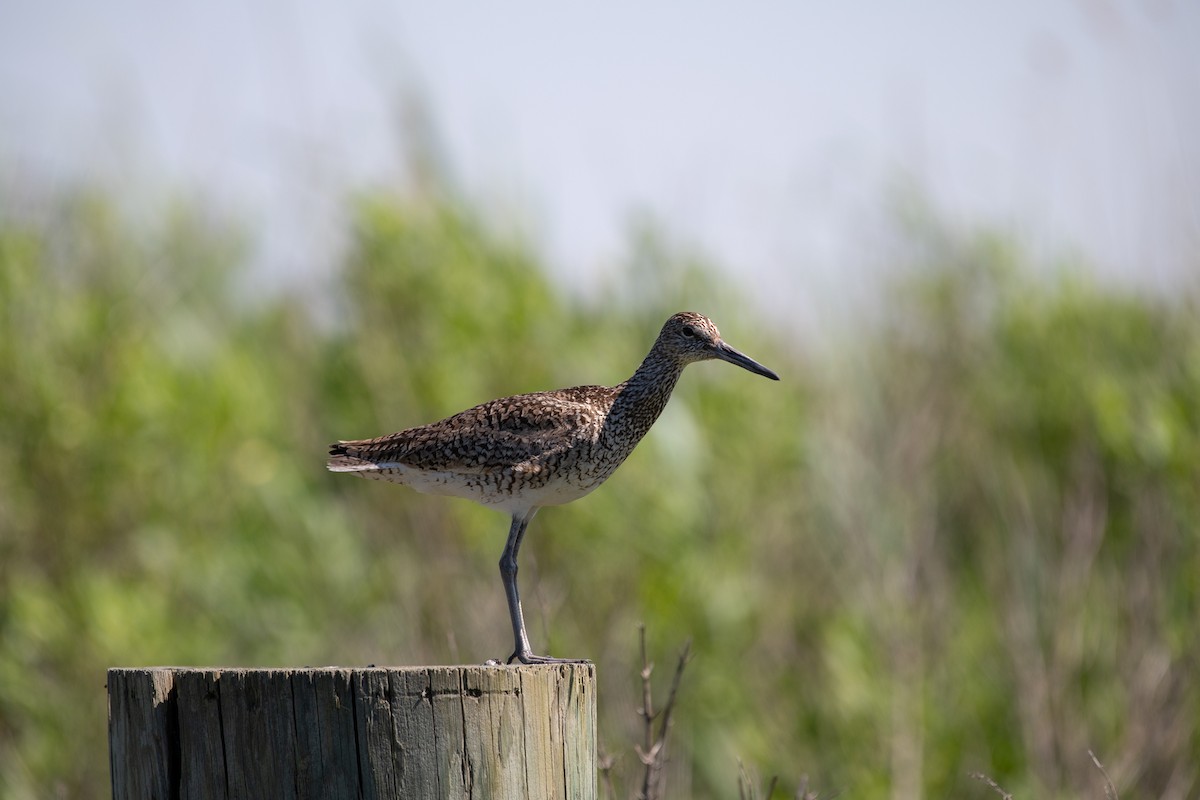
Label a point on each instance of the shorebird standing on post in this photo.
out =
(520, 453)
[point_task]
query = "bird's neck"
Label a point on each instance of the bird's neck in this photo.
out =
(643, 397)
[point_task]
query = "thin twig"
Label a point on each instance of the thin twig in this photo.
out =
(979, 776)
(748, 784)
(684, 657)
(745, 785)
(605, 768)
(646, 752)
(1110, 791)
(653, 751)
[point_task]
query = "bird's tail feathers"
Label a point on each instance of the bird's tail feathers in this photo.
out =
(342, 459)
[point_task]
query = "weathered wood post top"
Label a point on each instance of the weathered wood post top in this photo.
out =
(386, 732)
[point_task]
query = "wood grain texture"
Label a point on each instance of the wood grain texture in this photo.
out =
(413, 732)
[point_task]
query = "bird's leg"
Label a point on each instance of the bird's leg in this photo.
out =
(508, 573)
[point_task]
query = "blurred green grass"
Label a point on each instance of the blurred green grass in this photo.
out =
(965, 541)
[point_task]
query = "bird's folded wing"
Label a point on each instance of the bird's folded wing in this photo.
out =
(496, 435)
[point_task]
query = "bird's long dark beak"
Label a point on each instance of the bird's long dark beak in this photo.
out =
(735, 356)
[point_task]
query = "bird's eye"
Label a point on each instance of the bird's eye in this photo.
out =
(689, 332)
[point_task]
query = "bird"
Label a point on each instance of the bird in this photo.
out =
(518, 454)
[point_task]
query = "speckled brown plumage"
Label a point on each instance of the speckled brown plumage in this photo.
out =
(520, 453)
(496, 451)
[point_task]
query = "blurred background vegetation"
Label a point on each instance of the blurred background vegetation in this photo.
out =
(966, 539)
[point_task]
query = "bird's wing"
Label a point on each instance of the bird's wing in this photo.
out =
(495, 435)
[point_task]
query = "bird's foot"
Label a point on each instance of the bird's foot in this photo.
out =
(529, 658)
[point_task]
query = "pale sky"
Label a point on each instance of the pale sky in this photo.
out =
(766, 134)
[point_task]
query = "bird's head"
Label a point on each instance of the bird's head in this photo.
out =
(689, 337)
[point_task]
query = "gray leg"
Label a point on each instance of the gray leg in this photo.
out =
(508, 573)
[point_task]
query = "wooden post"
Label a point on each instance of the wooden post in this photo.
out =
(394, 732)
